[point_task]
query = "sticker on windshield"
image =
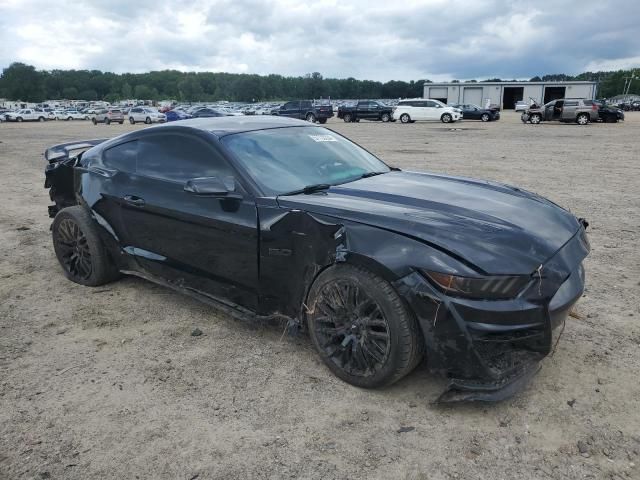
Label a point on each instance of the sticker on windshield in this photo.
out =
(323, 138)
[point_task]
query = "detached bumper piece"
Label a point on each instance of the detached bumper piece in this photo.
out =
(461, 390)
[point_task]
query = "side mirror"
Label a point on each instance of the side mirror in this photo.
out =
(212, 187)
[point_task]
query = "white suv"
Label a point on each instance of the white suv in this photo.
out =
(146, 115)
(410, 110)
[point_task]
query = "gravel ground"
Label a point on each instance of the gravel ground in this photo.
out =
(108, 382)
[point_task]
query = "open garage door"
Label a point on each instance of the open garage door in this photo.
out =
(439, 93)
(472, 95)
(553, 93)
(511, 96)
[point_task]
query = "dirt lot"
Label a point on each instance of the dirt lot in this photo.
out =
(110, 383)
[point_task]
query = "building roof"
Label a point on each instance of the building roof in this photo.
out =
(471, 84)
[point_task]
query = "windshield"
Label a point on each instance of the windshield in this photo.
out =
(282, 160)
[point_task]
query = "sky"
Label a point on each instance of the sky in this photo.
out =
(365, 39)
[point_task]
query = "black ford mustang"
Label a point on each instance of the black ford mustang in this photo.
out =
(274, 217)
(474, 112)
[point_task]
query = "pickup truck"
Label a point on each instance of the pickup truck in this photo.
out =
(305, 110)
(27, 114)
(365, 110)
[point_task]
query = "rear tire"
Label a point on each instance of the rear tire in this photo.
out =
(361, 328)
(582, 119)
(41, 119)
(81, 253)
(94, 121)
(107, 121)
(405, 118)
(322, 121)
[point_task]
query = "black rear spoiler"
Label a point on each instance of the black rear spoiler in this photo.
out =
(60, 152)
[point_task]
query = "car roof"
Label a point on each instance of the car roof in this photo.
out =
(221, 126)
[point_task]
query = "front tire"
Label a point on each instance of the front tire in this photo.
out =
(41, 119)
(385, 117)
(535, 118)
(94, 121)
(361, 327)
(446, 118)
(107, 121)
(147, 121)
(347, 118)
(19, 119)
(132, 121)
(405, 118)
(485, 117)
(81, 253)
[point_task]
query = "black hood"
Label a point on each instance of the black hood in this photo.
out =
(497, 228)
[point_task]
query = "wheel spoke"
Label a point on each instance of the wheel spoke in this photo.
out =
(350, 328)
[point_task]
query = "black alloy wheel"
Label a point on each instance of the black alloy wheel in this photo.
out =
(73, 249)
(361, 328)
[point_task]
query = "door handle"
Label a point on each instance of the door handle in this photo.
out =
(133, 200)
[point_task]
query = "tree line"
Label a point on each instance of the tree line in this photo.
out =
(24, 82)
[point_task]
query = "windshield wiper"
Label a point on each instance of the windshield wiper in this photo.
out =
(371, 174)
(317, 187)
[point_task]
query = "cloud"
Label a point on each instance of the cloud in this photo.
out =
(366, 39)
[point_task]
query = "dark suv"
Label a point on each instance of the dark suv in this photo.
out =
(305, 110)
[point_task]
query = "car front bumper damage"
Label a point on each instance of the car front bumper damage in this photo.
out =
(490, 350)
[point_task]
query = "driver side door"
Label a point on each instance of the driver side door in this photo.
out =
(205, 243)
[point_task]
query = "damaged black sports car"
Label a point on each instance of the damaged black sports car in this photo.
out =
(275, 217)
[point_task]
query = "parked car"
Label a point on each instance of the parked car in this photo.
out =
(107, 116)
(71, 115)
(521, 106)
(146, 115)
(563, 110)
(270, 216)
(26, 115)
(411, 110)
(609, 113)
(305, 110)
(208, 112)
(173, 115)
(3, 112)
(365, 110)
(474, 112)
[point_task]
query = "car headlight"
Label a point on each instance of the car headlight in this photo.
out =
(499, 287)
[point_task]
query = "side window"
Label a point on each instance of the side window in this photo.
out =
(305, 104)
(121, 157)
(404, 104)
(571, 104)
(430, 103)
(178, 158)
(291, 105)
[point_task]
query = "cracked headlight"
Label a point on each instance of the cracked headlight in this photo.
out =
(499, 287)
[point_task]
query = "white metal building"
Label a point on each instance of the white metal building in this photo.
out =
(506, 94)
